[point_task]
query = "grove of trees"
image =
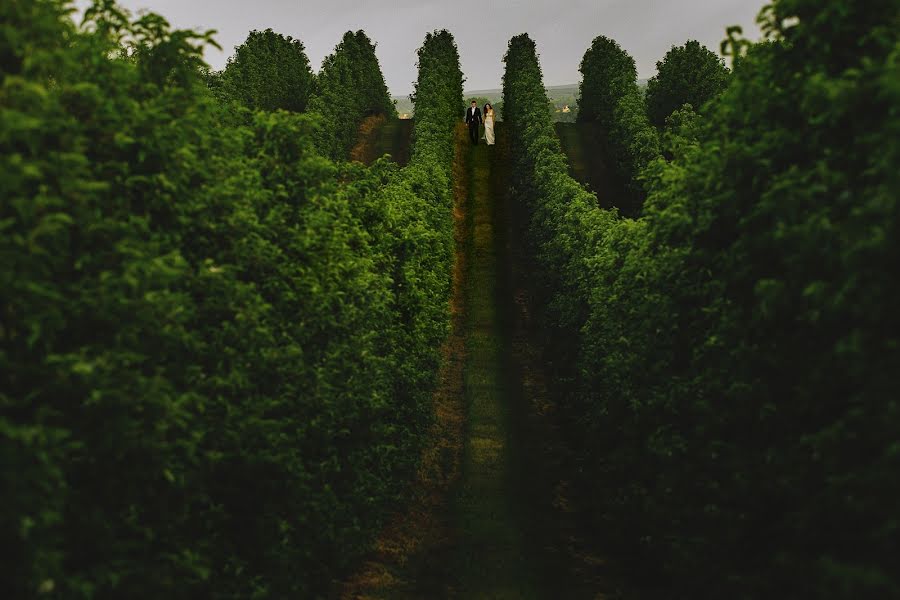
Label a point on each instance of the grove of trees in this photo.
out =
(728, 360)
(217, 345)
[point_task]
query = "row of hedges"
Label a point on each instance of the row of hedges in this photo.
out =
(270, 71)
(609, 95)
(212, 337)
(408, 215)
(349, 88)
(631, 124)
(734, 351)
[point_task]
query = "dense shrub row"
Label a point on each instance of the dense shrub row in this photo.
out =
(349, 87)
(215, 344)
(735, 350)
(269, 71)
(408, 215)
(690, 74)
(609, 95)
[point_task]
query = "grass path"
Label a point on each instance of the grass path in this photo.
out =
(492, 557)
(520, 533)
(491, 517)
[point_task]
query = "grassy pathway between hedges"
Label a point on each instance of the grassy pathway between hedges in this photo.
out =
(492, 557)
(491, 517)
(519, 534)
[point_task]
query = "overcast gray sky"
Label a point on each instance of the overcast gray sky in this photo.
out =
(563, 30)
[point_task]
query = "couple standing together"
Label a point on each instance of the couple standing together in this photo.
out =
(474, 118)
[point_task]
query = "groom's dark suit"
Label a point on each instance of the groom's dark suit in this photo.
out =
(473, 118)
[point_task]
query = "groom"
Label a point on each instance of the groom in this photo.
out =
(473, 119)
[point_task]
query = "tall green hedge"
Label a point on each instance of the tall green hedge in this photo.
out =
(268, 71)
(349, 87)
(609, 95)
(217, 346)
(689, 74)
(607, 73)
(408, 214)
(559, 208)
(734, 351)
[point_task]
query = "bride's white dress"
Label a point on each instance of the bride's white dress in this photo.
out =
(489, 127)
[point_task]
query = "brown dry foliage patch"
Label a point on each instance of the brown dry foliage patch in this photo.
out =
(364, 150)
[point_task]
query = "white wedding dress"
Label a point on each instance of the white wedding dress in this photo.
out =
(489, 127)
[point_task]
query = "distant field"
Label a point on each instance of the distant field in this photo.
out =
(404, 106)
(559, 95)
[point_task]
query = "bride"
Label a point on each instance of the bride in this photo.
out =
(489, 124)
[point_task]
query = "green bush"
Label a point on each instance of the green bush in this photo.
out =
(217, 346)
(408, 214)
(607, 74)
(610, 96)
(690, 74)
(733, 350)
(634, 145)
(267, 72)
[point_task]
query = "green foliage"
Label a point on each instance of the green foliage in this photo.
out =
(733, 352)
(607, 74)
(610, 96)
(682, 130)
(267, 72)
(634, 143)
(690, 74)
(350, 87)
(410, 223)
(217, 346)
(437, 94)
(558, 205)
